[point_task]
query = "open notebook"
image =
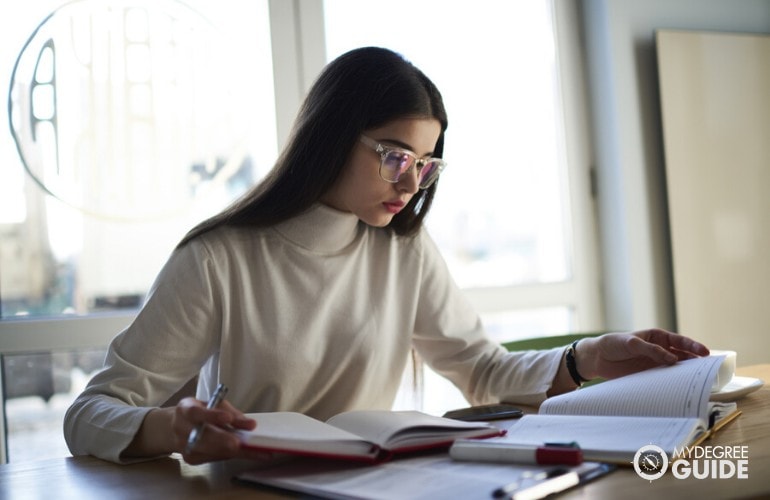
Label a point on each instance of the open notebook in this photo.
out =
(365, 435)
(666, 406)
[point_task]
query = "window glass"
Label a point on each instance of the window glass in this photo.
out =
(39, 387)
(439, 395)
(133, 123)
(499, 215)
(527, 323)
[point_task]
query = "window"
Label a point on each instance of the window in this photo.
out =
(137, 123)
(70, 274)
(135, 120)
(502, 214)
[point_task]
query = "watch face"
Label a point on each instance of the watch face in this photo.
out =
(650, 462)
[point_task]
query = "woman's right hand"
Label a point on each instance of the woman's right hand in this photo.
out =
(166, 430)
(217, 441)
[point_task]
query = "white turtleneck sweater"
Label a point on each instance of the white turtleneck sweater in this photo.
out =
(315, 315)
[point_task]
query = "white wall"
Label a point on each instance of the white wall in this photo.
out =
(715, 90)
(634, 232)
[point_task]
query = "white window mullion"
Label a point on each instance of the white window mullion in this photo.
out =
(576, 131)
(299, 54)
(62, 333)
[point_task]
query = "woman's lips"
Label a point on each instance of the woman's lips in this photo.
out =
(393, 207)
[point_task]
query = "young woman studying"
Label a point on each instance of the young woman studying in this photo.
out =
(310, 292)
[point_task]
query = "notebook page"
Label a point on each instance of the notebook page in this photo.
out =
(602, 438)
(294, 426)
(680, 390)
(288, 431)
(392, 429)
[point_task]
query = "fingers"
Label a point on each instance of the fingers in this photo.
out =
(239, 421)
(215, 443)
(619, 354)
(683, 347)
(216, 439)
(654, 352)
(195, 413)
(692, 348)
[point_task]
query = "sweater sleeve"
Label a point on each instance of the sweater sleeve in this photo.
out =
(449, 336)
(165, 346)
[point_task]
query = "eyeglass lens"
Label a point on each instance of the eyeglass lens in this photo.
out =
(396, 163)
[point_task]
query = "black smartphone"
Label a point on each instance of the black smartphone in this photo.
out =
(485, 412)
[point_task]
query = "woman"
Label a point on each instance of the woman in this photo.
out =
(309, 293)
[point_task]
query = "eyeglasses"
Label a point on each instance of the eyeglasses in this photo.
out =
(395, 162)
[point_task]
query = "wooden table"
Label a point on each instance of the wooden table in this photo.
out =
(90, 478)
(86, 478)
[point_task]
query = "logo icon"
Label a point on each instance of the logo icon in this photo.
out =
(650, 462)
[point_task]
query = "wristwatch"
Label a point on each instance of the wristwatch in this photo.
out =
(572, 365)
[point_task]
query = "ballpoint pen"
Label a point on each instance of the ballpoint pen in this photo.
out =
(197, 432)
(541, 484)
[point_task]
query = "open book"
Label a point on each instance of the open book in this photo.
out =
(367, 435)
(666, 406)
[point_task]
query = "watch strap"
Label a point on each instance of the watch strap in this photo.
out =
(572, 365)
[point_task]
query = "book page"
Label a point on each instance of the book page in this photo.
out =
(399, 429)
(680, 390)
(289, 431)
(602, 438)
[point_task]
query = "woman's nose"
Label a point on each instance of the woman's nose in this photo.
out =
(409, 181)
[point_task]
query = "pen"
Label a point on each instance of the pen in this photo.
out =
(197, 432)
(486, 451)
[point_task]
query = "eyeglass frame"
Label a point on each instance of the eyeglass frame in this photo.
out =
(383, 151)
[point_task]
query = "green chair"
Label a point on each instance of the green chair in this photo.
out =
(547, 342)
(550, 342)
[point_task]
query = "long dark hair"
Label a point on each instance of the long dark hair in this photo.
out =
(362, 89)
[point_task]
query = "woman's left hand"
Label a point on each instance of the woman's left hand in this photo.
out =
(617, 354)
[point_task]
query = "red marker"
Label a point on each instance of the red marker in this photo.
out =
(490, 451)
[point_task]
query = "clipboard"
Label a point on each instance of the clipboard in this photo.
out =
(423, 476)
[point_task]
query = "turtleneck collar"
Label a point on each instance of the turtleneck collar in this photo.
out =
(321, 229)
